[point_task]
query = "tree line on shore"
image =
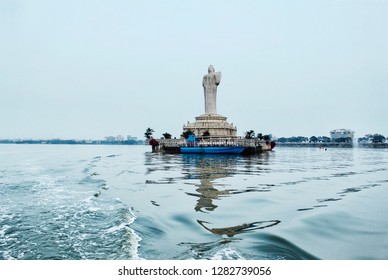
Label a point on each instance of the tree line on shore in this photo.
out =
(369, 138)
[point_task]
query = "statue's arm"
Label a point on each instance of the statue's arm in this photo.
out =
(218, 78)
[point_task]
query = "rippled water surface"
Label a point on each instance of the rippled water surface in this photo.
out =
(123, 202)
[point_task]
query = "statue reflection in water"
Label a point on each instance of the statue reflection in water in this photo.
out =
(208, 168)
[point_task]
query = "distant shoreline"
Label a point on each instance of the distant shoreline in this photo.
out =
(73, 142)
(333, 145)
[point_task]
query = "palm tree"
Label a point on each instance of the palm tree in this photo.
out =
(249, 134)
(148, 133)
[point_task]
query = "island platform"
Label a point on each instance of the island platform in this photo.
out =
(213, 145)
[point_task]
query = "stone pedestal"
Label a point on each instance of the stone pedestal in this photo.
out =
(215, 124)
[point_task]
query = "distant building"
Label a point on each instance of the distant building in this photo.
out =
(131, 138)
(120, 138)
(110, 138)
(342, 135)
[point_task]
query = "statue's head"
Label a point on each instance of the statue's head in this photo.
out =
(210, 69)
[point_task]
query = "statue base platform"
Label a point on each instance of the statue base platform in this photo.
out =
(215, 124)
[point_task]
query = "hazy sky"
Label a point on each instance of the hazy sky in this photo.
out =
(89, 69)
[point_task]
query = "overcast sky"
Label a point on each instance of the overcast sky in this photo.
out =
(89, 69)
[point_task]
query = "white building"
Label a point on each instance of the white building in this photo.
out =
(342, 135)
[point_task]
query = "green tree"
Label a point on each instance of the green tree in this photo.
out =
(186, 134)
(206, 133)
(378, 138)
(167, 135)
(313, 139)
(148, 133)
(267, 137)
(260, 136)
(250, 134)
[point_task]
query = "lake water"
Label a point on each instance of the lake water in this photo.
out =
(123, 202)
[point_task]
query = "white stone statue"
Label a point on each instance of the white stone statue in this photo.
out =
(210, 83)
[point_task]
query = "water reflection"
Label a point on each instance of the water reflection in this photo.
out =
(159, 161)
(243, 228)
(209, 168)
(206, 174)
